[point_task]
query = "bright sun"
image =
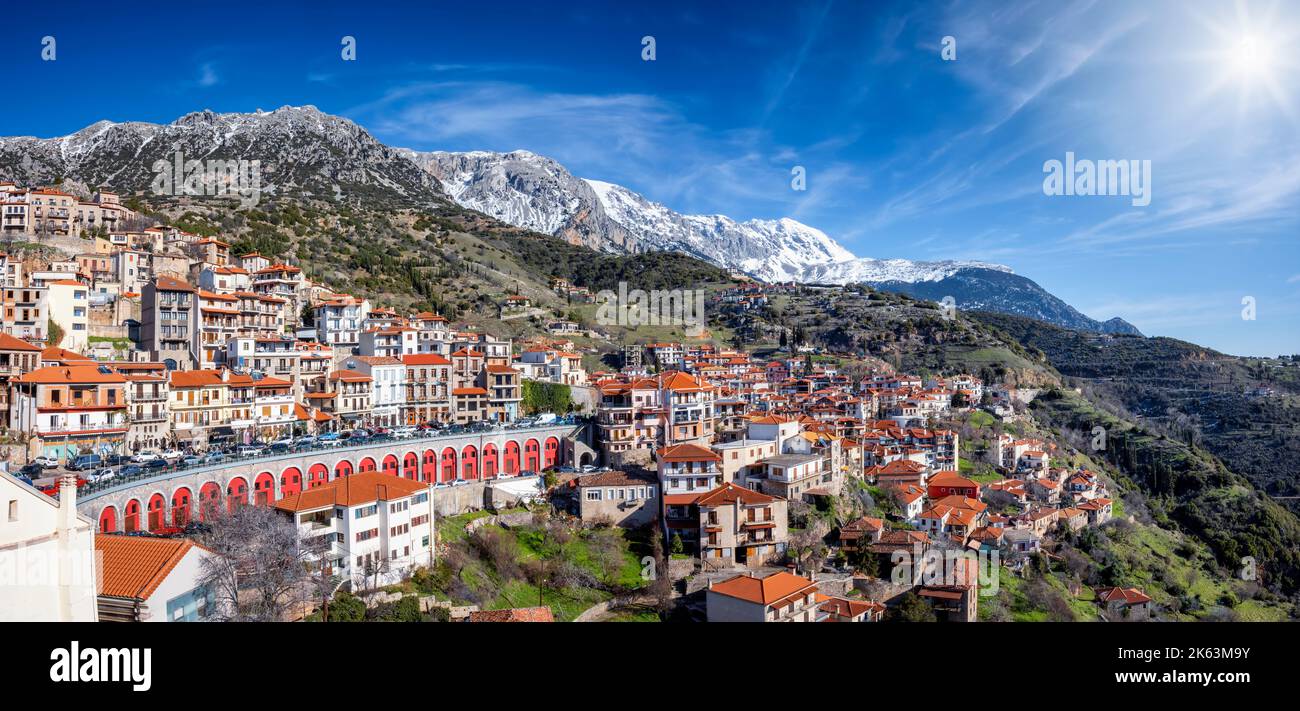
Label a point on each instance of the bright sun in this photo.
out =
(1251, 58)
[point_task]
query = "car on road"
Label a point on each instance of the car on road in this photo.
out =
(25, 479)
(303, 442)
(130, 470)
(250, 450)
(32, 469)
(101, 475)
(86, 462)
(191, 461)
(404, 432)
(158, 463)
(214, 458)
(46, 462)
(284, 442)
(172, 455)
(145, 456)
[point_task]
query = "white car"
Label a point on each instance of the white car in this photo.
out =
(172, 455)
(251, 450)
(46, 462)
(145, 456)
(101, 475)
(286, 442)
(404, 432)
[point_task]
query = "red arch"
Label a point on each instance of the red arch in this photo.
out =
(181, 502)
(108, 520)
(469, 462)
(209, 501)
(317, 474)
(157, 512)
(367, 465)
(390, 465)
(290, 481)
(342, 469)
(264, 489)
(429, 467)
(448, 464)
(551, 453)
(490, 461)
(131, 516)
(511, 467)
(237, 493)
(532, 455)
(411, 466)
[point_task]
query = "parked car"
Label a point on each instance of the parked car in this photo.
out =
(214, 458)
(250, 450)
(130, 470)
(158, 463)
(116, 460)
(279, 447)
(304, 441)
(172, 455)
(145, 456)
(329, 437)
(24, 479)
(191, 461)
(404, 432)
(46, 462)
(85, 462)
(101, 475)
(284, 441)
(31, 469)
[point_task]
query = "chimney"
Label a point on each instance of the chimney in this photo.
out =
(67, 503)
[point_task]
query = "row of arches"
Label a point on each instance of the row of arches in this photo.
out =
(467, 464)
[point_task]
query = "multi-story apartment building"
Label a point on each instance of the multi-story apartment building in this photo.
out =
(338, 321)
(688, 409)
(26, 313)
(374, 528)
(69, 410)
(428, 388)
(218, 322)
(469, 404)
(69, 307)
(16, 357)
(168, 321)
(346, 397)
(387, 387)
(504, 391)
(147, 394)
(688, 469)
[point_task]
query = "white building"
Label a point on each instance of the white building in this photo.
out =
(387, 387)
(47, 555)
(379, 527)
(70, 308)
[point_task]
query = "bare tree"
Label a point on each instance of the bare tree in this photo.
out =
(260, 569)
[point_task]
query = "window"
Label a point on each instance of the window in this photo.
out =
(13, 510)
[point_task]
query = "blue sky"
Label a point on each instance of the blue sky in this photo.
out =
(907, 155)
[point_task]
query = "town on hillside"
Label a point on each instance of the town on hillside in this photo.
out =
(166, 401)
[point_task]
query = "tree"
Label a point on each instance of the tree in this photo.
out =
(260, 569)
(54, 333)
(911, 608)
(677, 546)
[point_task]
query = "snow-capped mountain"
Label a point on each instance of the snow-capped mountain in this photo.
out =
(536, 192)
(302, 151)
(867, 270)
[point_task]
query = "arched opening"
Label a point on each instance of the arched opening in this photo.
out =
(209, 501)
(342, 469)
(489, 461)
(236, 493)
(429, 470)
(551, 453)
(532, 455)
(317, 474)
(411, 466)
(390, 465)
(290, 481)
(181, 506)
(157, 512)
(131, 516)
(469, 462)
(264, 489)
(108, 520)
(585, 459)
(367, 465)
(448, 464)
(512, 458)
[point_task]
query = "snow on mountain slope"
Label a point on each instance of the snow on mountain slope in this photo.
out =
(867, 270)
